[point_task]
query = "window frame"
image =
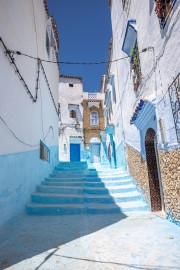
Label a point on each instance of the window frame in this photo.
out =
(96, 124)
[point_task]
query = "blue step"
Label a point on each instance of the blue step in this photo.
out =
(73, 188)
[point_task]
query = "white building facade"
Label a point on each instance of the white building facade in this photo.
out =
(142, 97)
(71, 141)
(28, 103)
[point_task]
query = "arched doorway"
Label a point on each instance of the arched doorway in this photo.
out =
(154, 186)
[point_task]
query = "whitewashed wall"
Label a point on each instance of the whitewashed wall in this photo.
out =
(23, 28)
(70, 95)
(159, 67)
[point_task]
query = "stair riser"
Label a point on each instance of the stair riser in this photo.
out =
(61, 200)
(51, 200)
(84, 184)
(84, 190)
(59, 180)
(59, 184)
(72, 167)
(60, 190)
(52, 211)
(58, 172)
(65, 211)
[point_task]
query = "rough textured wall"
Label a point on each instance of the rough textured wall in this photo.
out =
(170, 173)
(92, 131)
(138, 170)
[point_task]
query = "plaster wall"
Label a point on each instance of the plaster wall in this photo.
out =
(23, 28)
(69, 96)
(159, 67)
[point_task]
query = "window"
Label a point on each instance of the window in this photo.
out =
(163, 9)
(72, 114)
(136, 68)
(71, 85)
(44, 152)
(94, 117)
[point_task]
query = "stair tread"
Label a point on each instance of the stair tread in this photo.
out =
(87, 205)
(116, 195)
(89, 188)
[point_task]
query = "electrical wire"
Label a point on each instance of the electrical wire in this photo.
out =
(30, 145)
(69, 63)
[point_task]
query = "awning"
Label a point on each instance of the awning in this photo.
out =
(130, 37)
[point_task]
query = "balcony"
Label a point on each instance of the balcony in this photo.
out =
(93, 96)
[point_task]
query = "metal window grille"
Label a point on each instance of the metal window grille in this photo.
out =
(44, 152)
(174, 95)
(163, 9)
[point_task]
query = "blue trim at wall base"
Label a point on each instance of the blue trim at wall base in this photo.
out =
(20, 173)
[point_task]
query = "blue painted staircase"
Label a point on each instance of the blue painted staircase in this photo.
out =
(75, 188)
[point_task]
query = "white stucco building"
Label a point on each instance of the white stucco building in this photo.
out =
(28, 101)
(71, 142)
(142, 96)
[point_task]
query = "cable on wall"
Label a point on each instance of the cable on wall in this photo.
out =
(30, 145)
(40, 66)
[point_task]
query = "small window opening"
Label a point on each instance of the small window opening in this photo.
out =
(44, 152)
(71, 85)
(72, 114)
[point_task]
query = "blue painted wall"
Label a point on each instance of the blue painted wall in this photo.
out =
(19, 175)
(120, 156)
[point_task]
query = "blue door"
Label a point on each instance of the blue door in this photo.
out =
(74, 152)
(95, 152)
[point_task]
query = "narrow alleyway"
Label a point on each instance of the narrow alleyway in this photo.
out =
(91, 238)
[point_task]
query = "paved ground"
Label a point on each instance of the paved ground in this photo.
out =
(101, 242)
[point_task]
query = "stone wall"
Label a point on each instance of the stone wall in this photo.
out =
(170, 174)
(138, 170)
(92, 131)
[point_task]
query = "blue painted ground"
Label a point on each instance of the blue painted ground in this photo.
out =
(78, 236)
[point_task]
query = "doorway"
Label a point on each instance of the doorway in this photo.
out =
(154, 185)
(74, 152)
(95, 152)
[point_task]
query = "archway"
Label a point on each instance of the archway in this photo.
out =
(154, 186)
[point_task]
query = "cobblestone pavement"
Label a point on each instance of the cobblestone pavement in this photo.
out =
(90, 242)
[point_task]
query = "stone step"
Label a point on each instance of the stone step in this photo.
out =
(83, 198)
(87, 190)
(87, 179)
(70, 169)
(66, 209)
(67, 163)
(85, 183)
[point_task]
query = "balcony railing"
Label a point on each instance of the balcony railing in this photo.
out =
(92, 96)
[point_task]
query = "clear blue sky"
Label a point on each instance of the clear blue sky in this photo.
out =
(84, 28)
